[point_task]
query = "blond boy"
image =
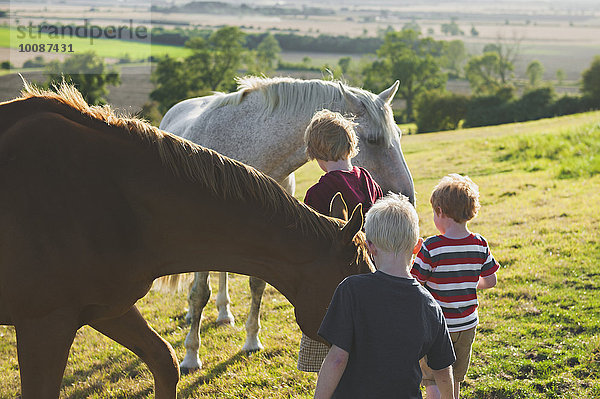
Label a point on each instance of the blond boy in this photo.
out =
(379, 325)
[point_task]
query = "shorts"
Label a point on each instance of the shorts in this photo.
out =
(462, 342)
(311, 354)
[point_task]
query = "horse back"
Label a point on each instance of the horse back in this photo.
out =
(245, 131)
(65, 212)
(179, 115)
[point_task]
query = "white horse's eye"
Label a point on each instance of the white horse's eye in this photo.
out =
(373, 140)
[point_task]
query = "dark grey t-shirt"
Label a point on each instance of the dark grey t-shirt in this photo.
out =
(386, 324)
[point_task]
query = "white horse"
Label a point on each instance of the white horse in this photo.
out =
(262, 124)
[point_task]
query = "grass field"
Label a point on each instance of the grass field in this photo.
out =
(539, 335)
(106, 48)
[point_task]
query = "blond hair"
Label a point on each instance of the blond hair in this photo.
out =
(330, 137)
(457, 197)
(392, 224)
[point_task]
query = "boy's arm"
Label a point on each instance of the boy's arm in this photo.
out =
(331, 371)
(486, 282)
(422, 266)
(487, 277)
(445, 382)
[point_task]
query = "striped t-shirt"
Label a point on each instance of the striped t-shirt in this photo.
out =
(450, 269)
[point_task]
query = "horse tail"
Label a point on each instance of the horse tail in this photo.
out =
(173, 282)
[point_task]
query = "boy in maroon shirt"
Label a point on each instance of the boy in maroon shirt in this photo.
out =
(331, 141)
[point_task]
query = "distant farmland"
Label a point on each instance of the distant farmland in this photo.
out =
(106, 48)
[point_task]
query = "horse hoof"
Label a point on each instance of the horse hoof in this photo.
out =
(186, 370)
(252, 347)
(191, 363)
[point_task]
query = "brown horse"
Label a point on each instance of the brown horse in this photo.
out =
(96, 207)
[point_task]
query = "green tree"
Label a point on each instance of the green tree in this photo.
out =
(560, 76)
(344, 64)
(381, 32)
(214, 61)
(483, 74)
(150, 112)
(535, 72)
(212, 66)
(267, 53)
(412, 60)
(440, 111)
(452, 28)
(412, 25)
(172, 83)
(397, 42)
(590, 82)
(454, 57)
(508, 51)
(87, 72)
(534, 104)
(351, 71)
(486, 110)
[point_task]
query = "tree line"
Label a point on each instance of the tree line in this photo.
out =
(422, 64)
(221, 8)
(287, 41)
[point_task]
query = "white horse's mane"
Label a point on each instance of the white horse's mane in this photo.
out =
(292, 97)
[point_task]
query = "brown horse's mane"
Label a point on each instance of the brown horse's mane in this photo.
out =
(225, 177)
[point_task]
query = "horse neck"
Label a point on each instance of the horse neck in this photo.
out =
(279, 134)
(199, 231)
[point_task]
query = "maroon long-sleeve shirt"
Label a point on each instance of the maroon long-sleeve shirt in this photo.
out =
(357, 186)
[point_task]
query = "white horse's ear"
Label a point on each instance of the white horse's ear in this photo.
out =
(354, 225)
(388, 94)
(354, 104)
(338, 208)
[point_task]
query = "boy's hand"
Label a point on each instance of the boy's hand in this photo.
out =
(445, 382)
(486, 282)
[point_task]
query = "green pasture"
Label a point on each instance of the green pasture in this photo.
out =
(106, 48)
(539, 335)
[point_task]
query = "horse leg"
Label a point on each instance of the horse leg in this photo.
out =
(253, 344)
(198, 298)
(188, 316)
(43, 348)
(134, 333)
(225, 317)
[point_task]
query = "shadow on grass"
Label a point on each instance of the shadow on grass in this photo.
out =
(94, 379)
(214, 373)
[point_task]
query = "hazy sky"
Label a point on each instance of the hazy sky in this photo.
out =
(592, 4)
